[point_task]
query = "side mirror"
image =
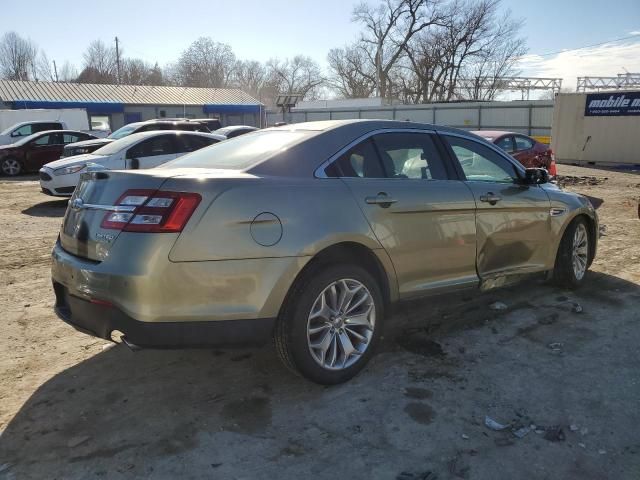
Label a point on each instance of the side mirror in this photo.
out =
(536, 176)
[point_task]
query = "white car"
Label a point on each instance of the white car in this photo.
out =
(139, 150)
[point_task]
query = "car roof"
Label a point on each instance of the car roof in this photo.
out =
(325, 138)
(237, 127)
(495, 133)
(137, 137)
(28, 138)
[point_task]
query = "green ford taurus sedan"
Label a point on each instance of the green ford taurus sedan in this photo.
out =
(307, 234)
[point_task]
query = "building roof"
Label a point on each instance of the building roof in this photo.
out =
(12, 91)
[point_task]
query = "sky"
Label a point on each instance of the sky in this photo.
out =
(159, 31)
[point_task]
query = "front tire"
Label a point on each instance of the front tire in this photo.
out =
(572, 260)
(330, 324)
(11, 167)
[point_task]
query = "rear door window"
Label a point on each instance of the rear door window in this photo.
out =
(191, 143)
(523, 143)
(360, 161)
(161, 145)
(49, 126)
(71, 138)
(506, 144)
(410, 155)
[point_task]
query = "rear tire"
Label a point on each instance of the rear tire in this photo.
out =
(572, 259)
(330, 323)
(11, 167)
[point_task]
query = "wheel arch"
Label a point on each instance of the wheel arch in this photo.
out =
(377, 263)
(592, 229)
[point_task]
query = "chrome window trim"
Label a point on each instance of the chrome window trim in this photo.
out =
(320, 170)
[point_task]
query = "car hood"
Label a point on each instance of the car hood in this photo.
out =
(90, 143)
(67, 162)
(7, 148)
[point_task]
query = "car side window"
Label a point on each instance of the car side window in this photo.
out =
(506, 144)
(360, 161)
(70, 138)
(162, 145)
(43, 140)
(523, 143)
(410, 155)
(56, 139)
(41, 127)
(480, 163)
(23, 131)
(191, 143)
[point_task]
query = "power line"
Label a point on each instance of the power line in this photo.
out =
(583, 47)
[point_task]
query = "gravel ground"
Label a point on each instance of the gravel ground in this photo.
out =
(72, 406)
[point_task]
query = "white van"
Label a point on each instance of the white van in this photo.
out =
(16, 124)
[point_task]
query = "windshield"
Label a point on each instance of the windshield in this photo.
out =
(122, 132)
(241, 152)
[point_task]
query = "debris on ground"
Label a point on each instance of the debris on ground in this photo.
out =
(554, 434)
(574, 428)
(504, 442)
(602, 451)
(563, 180)
(493, 425)
(602, 230)
(577, 308)
(556, 346)
(417, 476)
(75, 441)
(465, 436)
(498, 306)
(522, 432)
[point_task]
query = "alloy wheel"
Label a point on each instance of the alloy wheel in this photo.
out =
(341, 323)
(10, 167)
(580, 251)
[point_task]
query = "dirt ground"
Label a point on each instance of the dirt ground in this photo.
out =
(72, 406)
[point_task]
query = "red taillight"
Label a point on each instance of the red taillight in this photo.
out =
(153, 212)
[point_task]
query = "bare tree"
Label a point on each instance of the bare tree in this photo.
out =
(299, 74)
(99, 64)
(352, 75)
(44, 68)
(387, 30)
(499, 53)
(473, 42)
(252, 77)
(205, 64)
(134, 71)
(17, 57)
(68, 72)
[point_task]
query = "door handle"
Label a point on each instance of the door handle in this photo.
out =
(381, 199)
(490, 198)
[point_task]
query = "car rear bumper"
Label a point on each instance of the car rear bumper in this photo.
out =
(102, 319)
(154, 301)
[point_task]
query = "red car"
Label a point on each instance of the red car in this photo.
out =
(528, 151)
(32, 152)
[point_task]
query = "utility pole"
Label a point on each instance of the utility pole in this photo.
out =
(55, 71)
(117, 62)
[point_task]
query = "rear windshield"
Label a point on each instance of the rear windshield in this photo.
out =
(122, 132)
(241, 152)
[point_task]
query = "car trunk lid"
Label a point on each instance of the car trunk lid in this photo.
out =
(97, 195)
